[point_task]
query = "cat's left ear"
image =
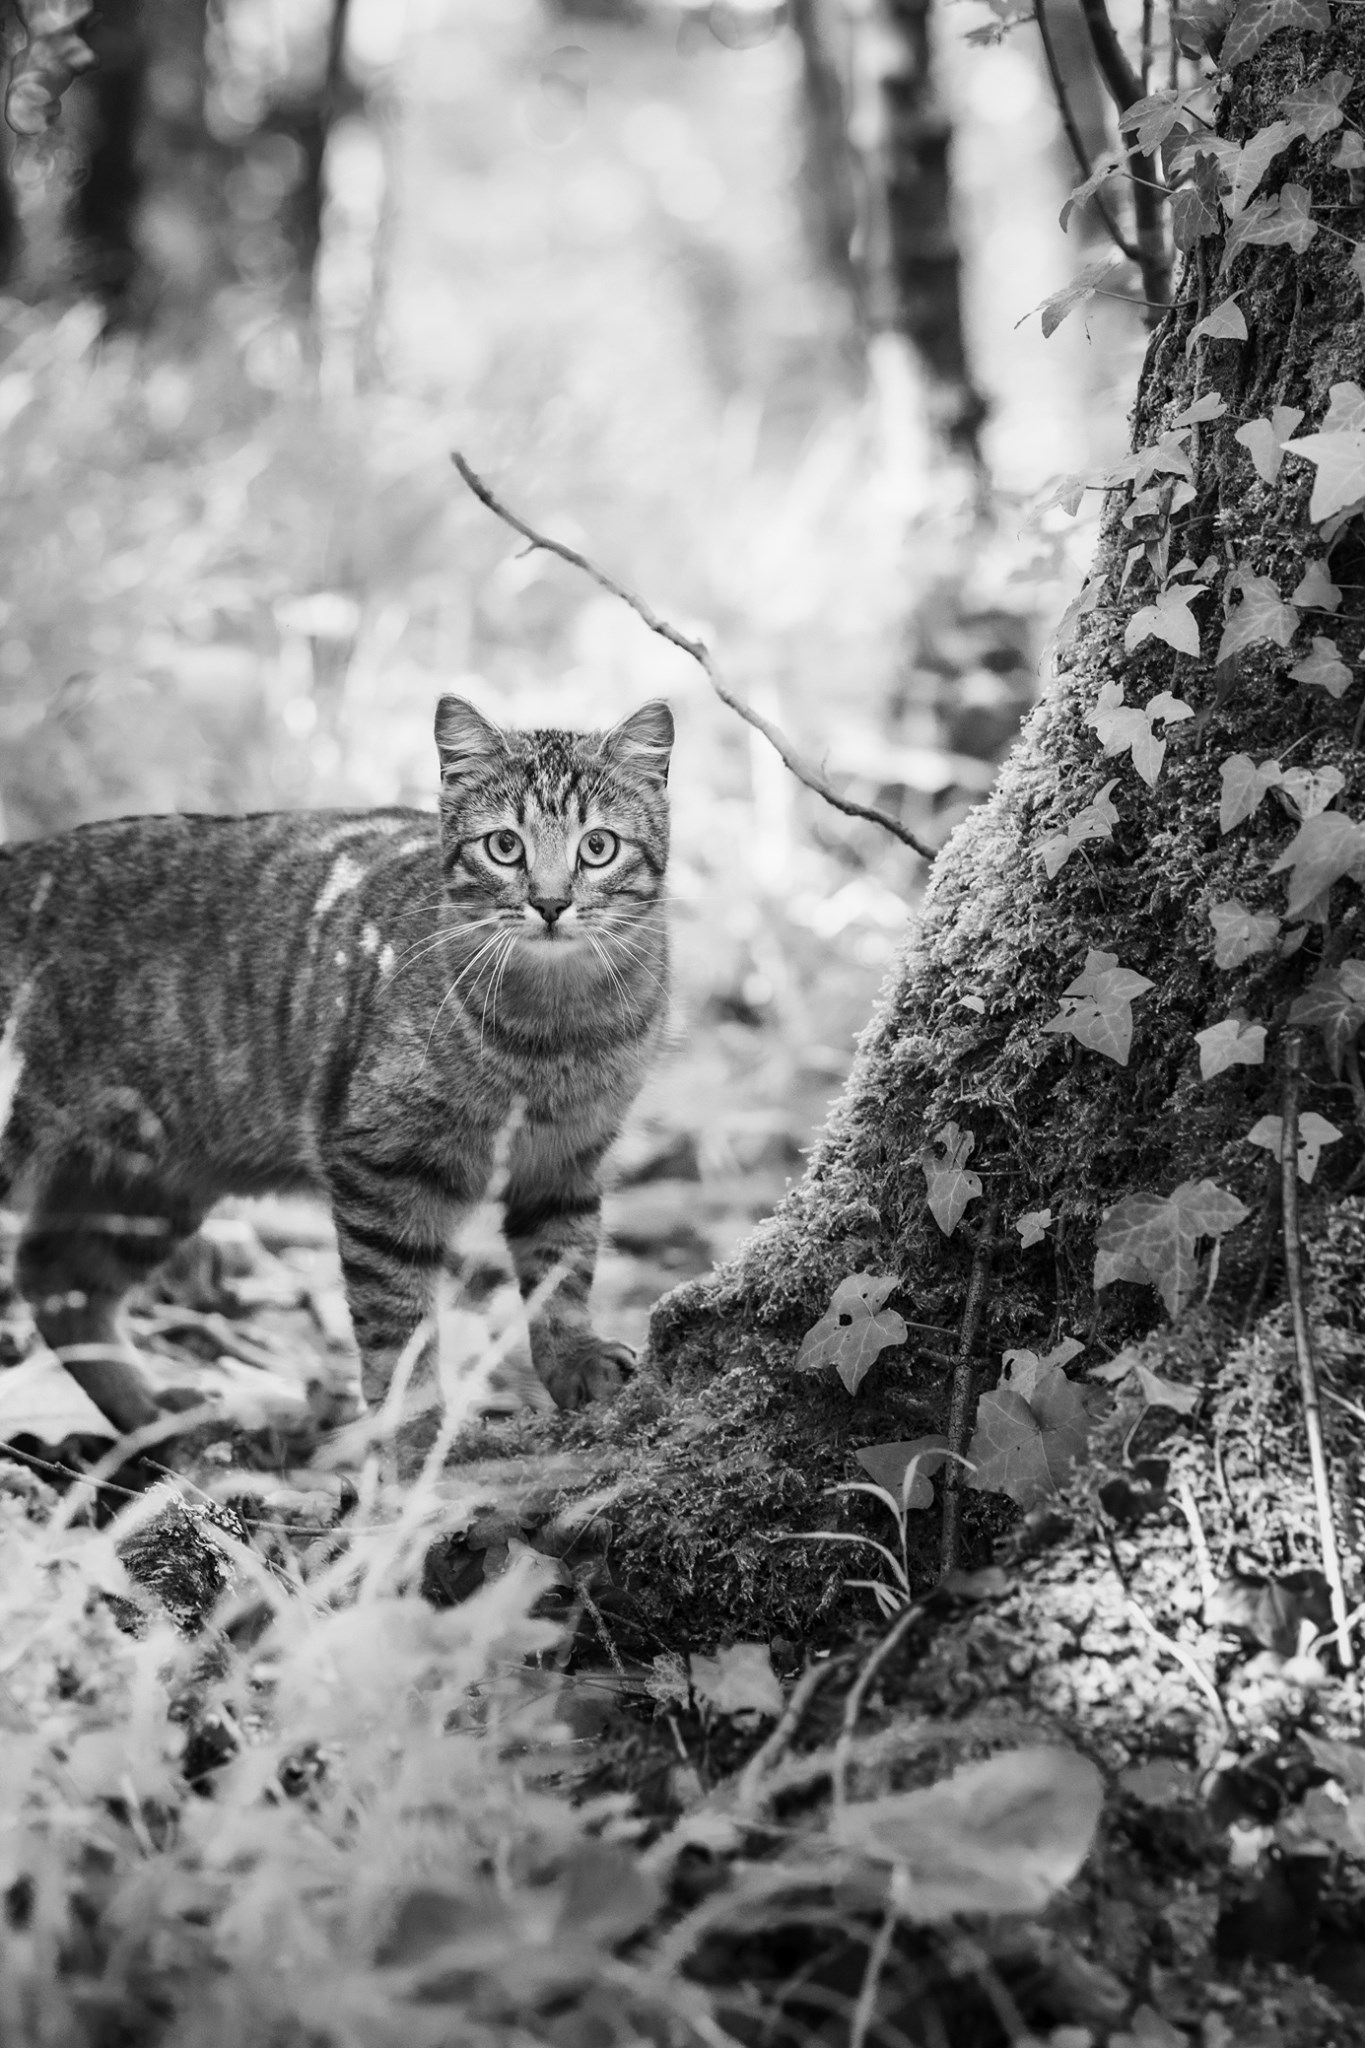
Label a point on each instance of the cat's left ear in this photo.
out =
(642, 742)
(464, 737)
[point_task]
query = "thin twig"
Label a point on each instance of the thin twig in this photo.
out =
(1189, 1508)
(857, 1693)
(1303, 1345)
(1125, 88)
(866, 2009)
(701, 654)
(1182, 1657)
(960, 1412)
(1073, 133)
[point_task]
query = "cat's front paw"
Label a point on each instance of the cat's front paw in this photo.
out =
(579, 1368)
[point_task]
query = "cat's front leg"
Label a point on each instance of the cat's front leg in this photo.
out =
(394, 1223)
(552, 1231)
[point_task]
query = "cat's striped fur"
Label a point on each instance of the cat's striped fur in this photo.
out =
(355, 1002)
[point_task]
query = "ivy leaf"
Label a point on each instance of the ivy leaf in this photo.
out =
(1252, 162)
(1240, 934)
(1169, 620)
(1154, 118)
(1121, 727)
(1095, 277)
(1211, 405)
(738, 1680)
(891, 1464)
(1315, 590)
(1032, 1227)
(1310, 790)
(1026, 1370)
(1001, 1836)
(1153, 1238)
(1156, 1391)
(1254, 20)
(1106, 166)
(950, 1185)
(1024, 1445)
(1350, 154)
(1194, 216)
(1334, 1002)
(1264, 439)
(854, 1329)
(1229, 1044)
(1314, 1133)
(1338, 449)
(1262, 615)
(1244, 785)
(1322, 850)
(1285, 220)
(1096, 821)
(1097, 1009)
(1314, 110)
(1227, 322)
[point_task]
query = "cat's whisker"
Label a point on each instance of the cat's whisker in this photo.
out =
(489, 946)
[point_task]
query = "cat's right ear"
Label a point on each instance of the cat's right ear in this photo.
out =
(464, 738)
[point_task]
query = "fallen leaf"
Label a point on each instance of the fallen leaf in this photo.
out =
(1002, 1836)
(737, 1680)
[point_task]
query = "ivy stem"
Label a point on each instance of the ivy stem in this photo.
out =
(1303, 1344)
(960, 1411)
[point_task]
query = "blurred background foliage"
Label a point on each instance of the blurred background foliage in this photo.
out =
(724, 292)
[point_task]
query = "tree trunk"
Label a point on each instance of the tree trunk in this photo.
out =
(961, 1035)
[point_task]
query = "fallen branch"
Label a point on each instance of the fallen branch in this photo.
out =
(701, 654)
(1303, 1346)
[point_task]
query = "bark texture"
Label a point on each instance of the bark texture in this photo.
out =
(1054, 1125)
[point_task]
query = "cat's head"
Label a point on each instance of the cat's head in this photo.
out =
(561, 834)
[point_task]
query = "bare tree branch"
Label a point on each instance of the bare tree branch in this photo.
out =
(701, 654)
(1073, 133)
(1125, 89)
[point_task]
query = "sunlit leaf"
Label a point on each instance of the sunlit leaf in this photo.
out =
(1315, 590)
(1264, 439)
(1168, 619)
(1096, 821)
(1155, 117)
(1350, 153)
(1032, 1227)
(1097, 1008)
(1314, 110)
(854, 1330)
(1322, 850)
(1334, 1002)
(1262, 615)
(1122, 727)
(1244, 785)
(1229, 1044)
(1286, 221)
(1310, 790)
(1002, 1836)
(1253, 160)
(1211, 405)
(1095, 277)
(737, 1680)
(1338, 450)
(1154, 1238)
(1227, 322)
(1314, 1133)
(1240, 934)
(1254, 20)
(951, 1186)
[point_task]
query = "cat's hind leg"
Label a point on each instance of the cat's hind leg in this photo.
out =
(89, 1238)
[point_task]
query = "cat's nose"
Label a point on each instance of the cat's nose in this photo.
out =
(551, 906)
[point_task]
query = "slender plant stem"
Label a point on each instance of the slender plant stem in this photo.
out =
(701, 654)
(1072, 128)
(857, 1693)
(1303, 1345)
(960, 1411)
(1124, 86)
(866, 2009)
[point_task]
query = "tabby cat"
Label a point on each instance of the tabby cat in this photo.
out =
(355, 1002)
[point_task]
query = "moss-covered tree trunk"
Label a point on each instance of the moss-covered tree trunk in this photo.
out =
(961, 1035)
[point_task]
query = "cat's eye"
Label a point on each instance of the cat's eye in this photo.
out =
(596, 848)
(504, 847)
